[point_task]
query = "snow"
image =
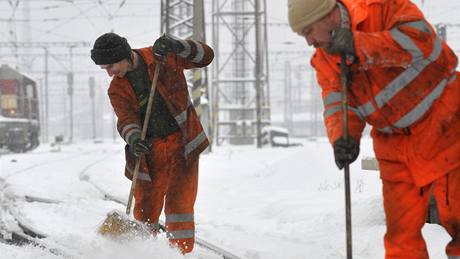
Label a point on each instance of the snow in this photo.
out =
(257, 203)
(274, 128)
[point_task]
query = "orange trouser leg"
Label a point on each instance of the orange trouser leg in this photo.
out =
(149, 199)
(180, 199)
(173, 184)
(150, 195)
(447, 193)
(406, 211)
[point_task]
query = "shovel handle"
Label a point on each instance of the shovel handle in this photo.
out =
(345, 81)
(143, 134)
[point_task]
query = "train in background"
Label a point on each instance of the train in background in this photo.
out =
(19, 111)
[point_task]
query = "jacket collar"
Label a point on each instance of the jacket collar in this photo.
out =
(357, 11)
(147, 55)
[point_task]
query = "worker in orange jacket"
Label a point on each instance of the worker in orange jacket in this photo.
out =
(405, 85)
(175, 137)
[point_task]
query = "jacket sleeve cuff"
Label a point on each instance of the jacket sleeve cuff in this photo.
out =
(135, 134)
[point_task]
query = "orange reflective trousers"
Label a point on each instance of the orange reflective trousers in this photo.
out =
(173, 183)
(406, 207)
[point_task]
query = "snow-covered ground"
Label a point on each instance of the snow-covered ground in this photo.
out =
(260, 204)
(273, 203)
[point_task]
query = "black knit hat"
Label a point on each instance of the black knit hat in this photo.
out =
(110, 48)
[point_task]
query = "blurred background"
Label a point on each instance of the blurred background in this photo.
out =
(261, 76)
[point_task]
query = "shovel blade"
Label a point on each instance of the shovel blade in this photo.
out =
(118, 224)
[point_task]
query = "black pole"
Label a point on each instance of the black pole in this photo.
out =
(344, 81)
(258, 75)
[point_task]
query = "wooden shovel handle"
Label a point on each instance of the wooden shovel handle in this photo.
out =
(144, 132)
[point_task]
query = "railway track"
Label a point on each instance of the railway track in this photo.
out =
(225, 254)
(16, 232)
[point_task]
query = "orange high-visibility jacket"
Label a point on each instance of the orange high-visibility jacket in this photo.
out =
(173, 88)
(402, 73)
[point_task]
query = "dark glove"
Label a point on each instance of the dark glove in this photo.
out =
(166, 44)
(139, 147)
(342, 42)
(345, 151)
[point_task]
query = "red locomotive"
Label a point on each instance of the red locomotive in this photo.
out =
(19, 111)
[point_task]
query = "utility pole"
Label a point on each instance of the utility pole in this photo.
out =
(26, 33)
(70, 91)
(288, 95)
(258, 75)
(314, 97)
(70, 82)
(93, 105)
(46, 97)
(41, 104)
(114, 127)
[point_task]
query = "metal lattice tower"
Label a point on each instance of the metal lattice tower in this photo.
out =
(240, 71)
(185, 19)
(302, 105)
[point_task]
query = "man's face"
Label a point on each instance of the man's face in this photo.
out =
(318, 34)
(118, 69)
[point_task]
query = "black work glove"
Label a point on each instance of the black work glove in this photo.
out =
(342, 42)
(166, 44)
(139, 147)
(345, 151)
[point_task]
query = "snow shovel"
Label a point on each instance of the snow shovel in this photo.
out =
(345, 81)
(116, 224)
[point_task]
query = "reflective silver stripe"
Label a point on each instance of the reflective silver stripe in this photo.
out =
(405, 42)
(182, 117)
(332, 98)
(421, 108)
(141, 176)
(387, 130)
(338, 108)
(187, 49)
(366, 109)
(174, 218)
(131, 133)
(199, 52)
(452, 78)
(400, 81)
(192, 145)
(407, 76)
(420, 25)
(437, 50)
(178, 234)
(328, 112)
(128, 127)
(453, 256)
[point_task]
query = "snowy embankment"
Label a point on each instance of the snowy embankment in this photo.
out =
(268, 203)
